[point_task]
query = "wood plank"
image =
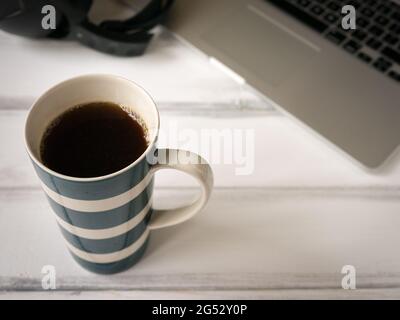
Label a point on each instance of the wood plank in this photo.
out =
(205, 294)
(246, 239)
(282, 155)
(170, 70)
(245, 108)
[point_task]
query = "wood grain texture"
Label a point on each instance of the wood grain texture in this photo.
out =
(282, 155)
(247, 239)
(205, 294)
(284, 231)
(169, 71)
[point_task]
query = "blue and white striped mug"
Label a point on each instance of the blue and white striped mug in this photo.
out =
(106, 220)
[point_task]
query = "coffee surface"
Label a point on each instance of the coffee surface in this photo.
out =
(92, 140)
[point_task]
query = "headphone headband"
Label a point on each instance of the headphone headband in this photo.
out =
(123, 38)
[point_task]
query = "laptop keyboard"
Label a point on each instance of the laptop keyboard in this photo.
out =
(376, 40)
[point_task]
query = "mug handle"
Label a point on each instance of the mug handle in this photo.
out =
(193, 165)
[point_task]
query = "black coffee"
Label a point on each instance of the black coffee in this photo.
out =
(92, 140)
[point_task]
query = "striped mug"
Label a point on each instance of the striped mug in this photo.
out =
(106, 221)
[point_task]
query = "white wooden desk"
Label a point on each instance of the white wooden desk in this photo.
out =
(285, 231)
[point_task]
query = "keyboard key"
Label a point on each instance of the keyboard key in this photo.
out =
(352, 46)
(394, 75)
(391, 54)
(395, 28)
(364, 57)
(367, 12)
(375, 30)
(371, 3)
(354, 3)
(336, 36)
(383, 21)
(359, 35)
(390, 39)
(382, 64)
(305, 17)
(362, 22)
(331, 18)
(378, 26)
(383, 9)
(317, 10)
(396, 16)
(374, 44)
(304, 3)
(334, 6)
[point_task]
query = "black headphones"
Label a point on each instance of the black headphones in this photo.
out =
(123, 38)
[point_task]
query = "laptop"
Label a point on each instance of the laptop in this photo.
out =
(343, 84)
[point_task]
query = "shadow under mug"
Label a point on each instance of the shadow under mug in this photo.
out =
(106, 220)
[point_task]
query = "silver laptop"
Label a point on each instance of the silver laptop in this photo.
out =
(345, 85)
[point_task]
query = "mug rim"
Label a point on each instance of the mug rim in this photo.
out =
(99, 178)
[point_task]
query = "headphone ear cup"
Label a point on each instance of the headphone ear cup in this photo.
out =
(153, 14)
(62, 30)
(75, 11)
(124, 38)
(24, 20)
(24, 17)
(9, 7)
(149, 11)
(114, 43)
